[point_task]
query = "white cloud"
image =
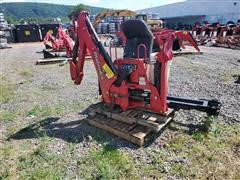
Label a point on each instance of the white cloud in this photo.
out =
(6, 1)
(93, 1)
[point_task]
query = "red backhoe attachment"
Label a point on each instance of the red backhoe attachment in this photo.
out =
(56, 43)
(229, 36)
(180, 38)
(61, 44)
(218, 35)
(120, 81)
(133, 88)
(117, 84)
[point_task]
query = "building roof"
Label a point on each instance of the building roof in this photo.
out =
(196, 7)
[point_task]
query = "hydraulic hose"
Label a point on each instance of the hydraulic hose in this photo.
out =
(75, 50)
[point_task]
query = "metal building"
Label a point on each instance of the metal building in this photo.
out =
(191, 11)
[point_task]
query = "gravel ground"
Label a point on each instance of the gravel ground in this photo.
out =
(211, 75)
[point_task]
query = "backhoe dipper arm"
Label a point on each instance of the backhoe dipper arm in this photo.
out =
(88, 39)
(50, 38)
(46, 38)
(67, 42)
(57, 43)
(187, 36)
(181, 36)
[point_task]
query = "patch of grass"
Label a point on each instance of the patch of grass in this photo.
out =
(40, 111)
(71, 148)
(100, 137)
(7, 92)
(177, 169)
(107, 163)
(6, 115)
(48, 87)
(75, 106)
(54, 110)
(6, 150)
(8, 157)
(42, 135)
(198, 136)
(202, 132)
(24, 72)
(24, 160)
(41, 164)
(228, 76)
(10, 131)
(213, 155)
(112, 164)
(149, 171)
(5, 174)
(225, 77)
(177, 144)
(35, 111)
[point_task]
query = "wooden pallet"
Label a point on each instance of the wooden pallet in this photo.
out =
(50, 61)
(52, 50)
(182, 53)
(8, 47)
(136, 126)
(55, 60)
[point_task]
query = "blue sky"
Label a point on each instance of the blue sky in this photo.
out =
(116, 4)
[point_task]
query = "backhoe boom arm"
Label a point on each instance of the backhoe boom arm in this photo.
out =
(106, 71)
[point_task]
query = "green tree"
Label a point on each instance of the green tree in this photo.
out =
(32, 20)
(76, 10)
(10, 20)
(21, 21)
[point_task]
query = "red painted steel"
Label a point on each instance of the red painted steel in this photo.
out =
(112, 93)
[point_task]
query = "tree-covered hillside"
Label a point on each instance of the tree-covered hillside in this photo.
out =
(26, 10)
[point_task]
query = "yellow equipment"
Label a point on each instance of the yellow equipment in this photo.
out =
(127, 13)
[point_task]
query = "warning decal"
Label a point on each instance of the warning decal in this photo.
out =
(108, 71)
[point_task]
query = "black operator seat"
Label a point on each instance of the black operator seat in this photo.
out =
(136, 33)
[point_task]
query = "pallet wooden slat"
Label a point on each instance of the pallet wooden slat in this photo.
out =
(116, 132)
(144, 126)
(50, 61)
(129, 128)
(140, 131)
(115, 116)
(134, 117)
(133, 113)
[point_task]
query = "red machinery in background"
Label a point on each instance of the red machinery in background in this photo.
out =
(56, 43)
(180, 38)
(229, 36)
(136, 80)
(72, 31)
(63, 43)
(118, 39)
(218, 35)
